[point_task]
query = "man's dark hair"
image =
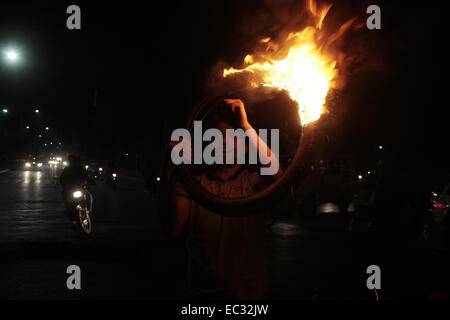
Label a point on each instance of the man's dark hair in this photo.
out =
(222, 113)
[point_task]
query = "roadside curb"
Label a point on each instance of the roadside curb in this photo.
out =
(4, 171)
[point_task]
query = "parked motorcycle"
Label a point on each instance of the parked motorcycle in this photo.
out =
(437, 218)
(361, 214)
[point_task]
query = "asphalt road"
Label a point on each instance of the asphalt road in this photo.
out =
(126, 256)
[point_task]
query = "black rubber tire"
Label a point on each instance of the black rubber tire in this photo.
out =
(236, 207)
(80, 223)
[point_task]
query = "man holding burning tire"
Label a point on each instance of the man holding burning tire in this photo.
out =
(227, 256)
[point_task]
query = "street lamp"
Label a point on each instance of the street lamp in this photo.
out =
(36, 111)
(28, 127)
(47, 128)
(12, 55)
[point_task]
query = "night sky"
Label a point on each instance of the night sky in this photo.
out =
(150, 64)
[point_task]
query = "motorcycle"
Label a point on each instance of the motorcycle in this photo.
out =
(361, 214)
(81, 201)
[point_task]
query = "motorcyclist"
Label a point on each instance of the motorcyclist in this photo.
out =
(72, 177)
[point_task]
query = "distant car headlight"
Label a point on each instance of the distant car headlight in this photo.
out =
(77, 194)
(28, 165)
(39, 164)
(114, 175)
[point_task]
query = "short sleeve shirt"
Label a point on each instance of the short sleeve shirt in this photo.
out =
(227, 254)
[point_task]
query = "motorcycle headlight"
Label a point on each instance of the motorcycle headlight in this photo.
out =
(77, 194)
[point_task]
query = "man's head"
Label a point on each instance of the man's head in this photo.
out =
(223, 119)
(222, 114)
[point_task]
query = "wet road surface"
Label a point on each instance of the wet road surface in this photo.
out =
(124, 257)
(127, 257)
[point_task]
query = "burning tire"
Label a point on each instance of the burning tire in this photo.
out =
(235, 206)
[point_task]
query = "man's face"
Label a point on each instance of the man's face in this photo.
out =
(228, 146)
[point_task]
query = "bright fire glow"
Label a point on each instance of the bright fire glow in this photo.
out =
(300, 64)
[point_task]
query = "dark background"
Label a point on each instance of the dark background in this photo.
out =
(151, 62)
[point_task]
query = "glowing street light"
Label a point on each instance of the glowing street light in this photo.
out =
(380, 147)
(28, 127)
(36, 111)
(47, 128)
(12, 55)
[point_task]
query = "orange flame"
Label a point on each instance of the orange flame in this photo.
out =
(301, 65)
